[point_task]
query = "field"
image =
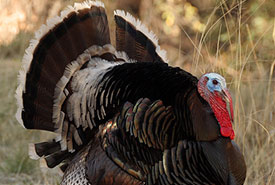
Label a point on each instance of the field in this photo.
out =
(239, 45)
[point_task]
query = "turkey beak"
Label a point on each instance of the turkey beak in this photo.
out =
(229, 105)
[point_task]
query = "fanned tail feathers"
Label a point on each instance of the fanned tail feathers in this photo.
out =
(69, 43)
(56, 44)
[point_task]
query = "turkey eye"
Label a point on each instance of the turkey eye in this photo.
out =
(215, 82)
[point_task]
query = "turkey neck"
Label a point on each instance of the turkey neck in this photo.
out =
(196, 116)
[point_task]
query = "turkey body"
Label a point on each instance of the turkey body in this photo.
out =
(122, 115)
(102, 169)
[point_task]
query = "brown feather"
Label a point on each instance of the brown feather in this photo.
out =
(55, 50)
(136, 40)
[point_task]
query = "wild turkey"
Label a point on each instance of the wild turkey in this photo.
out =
(122, 115)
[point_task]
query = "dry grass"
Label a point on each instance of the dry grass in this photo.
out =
(248, 66)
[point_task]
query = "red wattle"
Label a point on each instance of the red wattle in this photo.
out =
(218, 106)
(227, 132)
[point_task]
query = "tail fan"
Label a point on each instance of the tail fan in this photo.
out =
(136, 40)
(50, 79)
(60, 48)
(56, 44)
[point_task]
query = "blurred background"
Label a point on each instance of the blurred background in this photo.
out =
(235, 38)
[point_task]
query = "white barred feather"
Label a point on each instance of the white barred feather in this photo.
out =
(69, 72)
(82, 81)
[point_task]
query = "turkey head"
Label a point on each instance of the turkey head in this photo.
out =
(212, 88)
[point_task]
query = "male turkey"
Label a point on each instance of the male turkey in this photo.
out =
(122, 115)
